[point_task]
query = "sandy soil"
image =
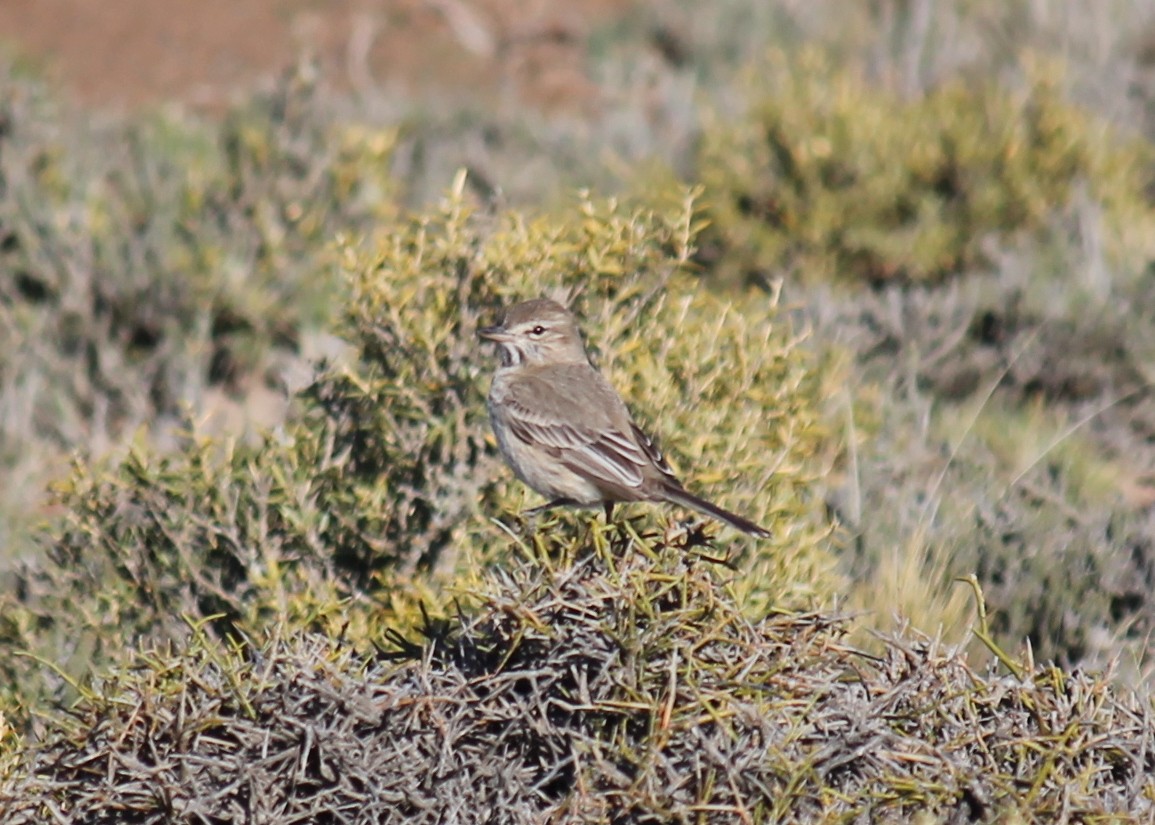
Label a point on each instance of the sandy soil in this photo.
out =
(138, 53)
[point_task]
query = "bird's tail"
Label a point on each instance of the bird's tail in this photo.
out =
(678, 495)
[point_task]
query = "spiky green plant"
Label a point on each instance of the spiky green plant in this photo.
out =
(383, 488)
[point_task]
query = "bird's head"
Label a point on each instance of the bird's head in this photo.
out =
(537, 332)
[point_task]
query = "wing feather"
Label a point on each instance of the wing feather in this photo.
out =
(654, 454)
(606, 456)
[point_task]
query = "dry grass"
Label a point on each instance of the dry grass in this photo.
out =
(604, 678)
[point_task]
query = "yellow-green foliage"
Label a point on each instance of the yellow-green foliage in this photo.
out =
(153, 265)
(383, 488)
(719, 381)
(832, 174)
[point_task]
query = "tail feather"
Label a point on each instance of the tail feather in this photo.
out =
(678, 495)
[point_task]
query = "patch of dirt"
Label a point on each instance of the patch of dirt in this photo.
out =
(138, 53)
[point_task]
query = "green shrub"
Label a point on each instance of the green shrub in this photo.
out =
(832, 175)
(379, 490)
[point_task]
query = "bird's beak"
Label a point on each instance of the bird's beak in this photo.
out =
(497, 333)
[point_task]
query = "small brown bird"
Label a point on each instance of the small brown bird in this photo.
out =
(564, 430)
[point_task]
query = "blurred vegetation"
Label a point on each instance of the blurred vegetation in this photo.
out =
(1019, 450)
(948, 346)
(831, 175)
(159, 265)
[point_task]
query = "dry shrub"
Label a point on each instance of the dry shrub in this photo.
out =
(608, 678)
(1007, 435)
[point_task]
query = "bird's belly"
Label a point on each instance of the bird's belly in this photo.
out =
(544, 473)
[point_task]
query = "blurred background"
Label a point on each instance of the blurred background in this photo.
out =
(954, 197)
(206, 55)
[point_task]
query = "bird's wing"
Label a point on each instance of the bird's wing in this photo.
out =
(655, 455)
(590, 441)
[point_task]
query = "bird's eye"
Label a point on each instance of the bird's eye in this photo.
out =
(538, 330)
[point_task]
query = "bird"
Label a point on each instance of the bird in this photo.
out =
(565, 431)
